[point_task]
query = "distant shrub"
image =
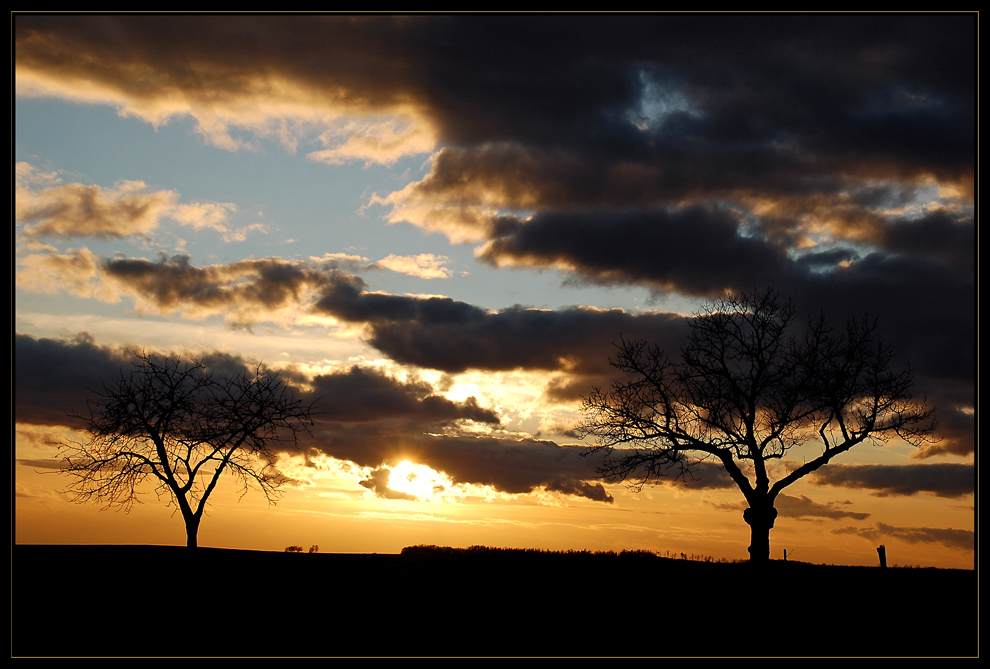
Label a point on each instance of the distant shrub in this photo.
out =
(293, 549)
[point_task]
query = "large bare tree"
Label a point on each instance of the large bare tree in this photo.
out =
(182, 427)
(745, 390)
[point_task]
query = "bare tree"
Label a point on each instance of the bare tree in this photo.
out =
(181, 427)
(745, 391)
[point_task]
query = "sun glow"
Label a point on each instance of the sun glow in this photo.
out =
(424, 483)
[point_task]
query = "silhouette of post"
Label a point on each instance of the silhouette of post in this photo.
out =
(882, 552)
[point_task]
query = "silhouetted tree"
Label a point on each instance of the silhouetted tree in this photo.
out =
(181, 426)
(746, 390)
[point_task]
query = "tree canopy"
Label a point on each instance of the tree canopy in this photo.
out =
(746, 389)
(182, 427)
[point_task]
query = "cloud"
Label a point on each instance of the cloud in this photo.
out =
(883, 95)
(73, 210)
(441, 333)
(593, 491)
(34, 436)
(45, 207)
(697, 250)
(237, 75)
(44, 463)
(174, 283)
(384, 141)
(375, 420)
(363, 416)
(941, 479)
(801, 507)
(948, 537)
(244, 292)
(431, 332)
(362, 395)
(700, 475)
(212, 216)
(831, 157)
(423, 265)
(53, 378)
(73, 272)
(378, 484)
(956, 421)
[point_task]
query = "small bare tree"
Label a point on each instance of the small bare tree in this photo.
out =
(744, 392)
(182, 427)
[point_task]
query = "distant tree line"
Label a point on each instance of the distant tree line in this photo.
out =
(431, 551)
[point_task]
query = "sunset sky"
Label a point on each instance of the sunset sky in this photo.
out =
(438, 226)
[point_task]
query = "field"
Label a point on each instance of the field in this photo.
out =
(168, 601)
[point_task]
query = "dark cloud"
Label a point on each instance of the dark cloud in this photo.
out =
(513, 465)
(924, 304)
(690, 154)
(698, 250)
(843, 83)
(361, 395)
(800, 507)
(363, 416)
(593, 491)
(937, 235)
(173, 282)
(941, 479)
(956, 419)
(829, 156)
(948, 537)
(53, 378)
(507, 464)
(725, 100)
(924, 307)
(699, 475)
(441, 333)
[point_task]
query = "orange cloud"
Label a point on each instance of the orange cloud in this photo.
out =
(48, 208)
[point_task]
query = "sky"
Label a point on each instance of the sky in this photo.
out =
(437, 227)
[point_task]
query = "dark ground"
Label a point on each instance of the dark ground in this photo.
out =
(167, 601)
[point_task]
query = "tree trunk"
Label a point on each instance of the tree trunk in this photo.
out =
(192, 529)
(760, 520)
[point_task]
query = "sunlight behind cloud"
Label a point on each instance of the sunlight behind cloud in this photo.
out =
(421, 481)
